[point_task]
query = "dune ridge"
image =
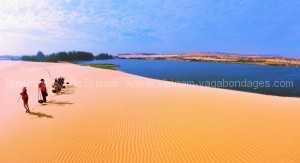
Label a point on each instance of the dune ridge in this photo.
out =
(141, 124)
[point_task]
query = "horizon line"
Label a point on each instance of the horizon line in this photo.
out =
(152, 53)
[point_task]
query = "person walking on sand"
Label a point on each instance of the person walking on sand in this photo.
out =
(43, 89)
(25, 99)
(56, 86)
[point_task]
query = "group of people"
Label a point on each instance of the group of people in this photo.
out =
(58, 85)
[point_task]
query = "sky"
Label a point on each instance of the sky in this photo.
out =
(150, 26)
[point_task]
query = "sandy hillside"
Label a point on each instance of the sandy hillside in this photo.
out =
(153, 121)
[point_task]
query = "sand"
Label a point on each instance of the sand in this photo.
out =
(164, 122)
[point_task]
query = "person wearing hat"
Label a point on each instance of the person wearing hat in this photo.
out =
(25, 99)
(43, 88)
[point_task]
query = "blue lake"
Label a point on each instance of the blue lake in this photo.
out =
(271, 80)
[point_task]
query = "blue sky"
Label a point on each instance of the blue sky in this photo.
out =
(153, 26)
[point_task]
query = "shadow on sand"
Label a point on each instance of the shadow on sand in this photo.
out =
(59, 103)
(41, 115)
(67, 91)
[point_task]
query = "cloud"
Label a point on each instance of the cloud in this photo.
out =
(91, 19)
(167, 22)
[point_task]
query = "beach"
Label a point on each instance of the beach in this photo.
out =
(111, 116)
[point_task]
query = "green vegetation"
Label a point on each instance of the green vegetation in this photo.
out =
(250, 60)
(40, 57)
(279, 64)
(72, 56)
(28, 58)
(103, 56)
(247, 60)
(159, 58)
(105, 66)
(209, 61)
(192, 60)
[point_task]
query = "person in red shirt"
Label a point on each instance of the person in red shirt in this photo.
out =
(43, 89)
(25, 99)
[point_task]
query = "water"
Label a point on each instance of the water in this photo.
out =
(271, 80)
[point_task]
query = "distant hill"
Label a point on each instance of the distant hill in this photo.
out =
(219, 57)
(138, 54)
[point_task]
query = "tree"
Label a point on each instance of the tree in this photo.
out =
(72, 56)
(103, 56)
(40, 57)
(28, 58)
